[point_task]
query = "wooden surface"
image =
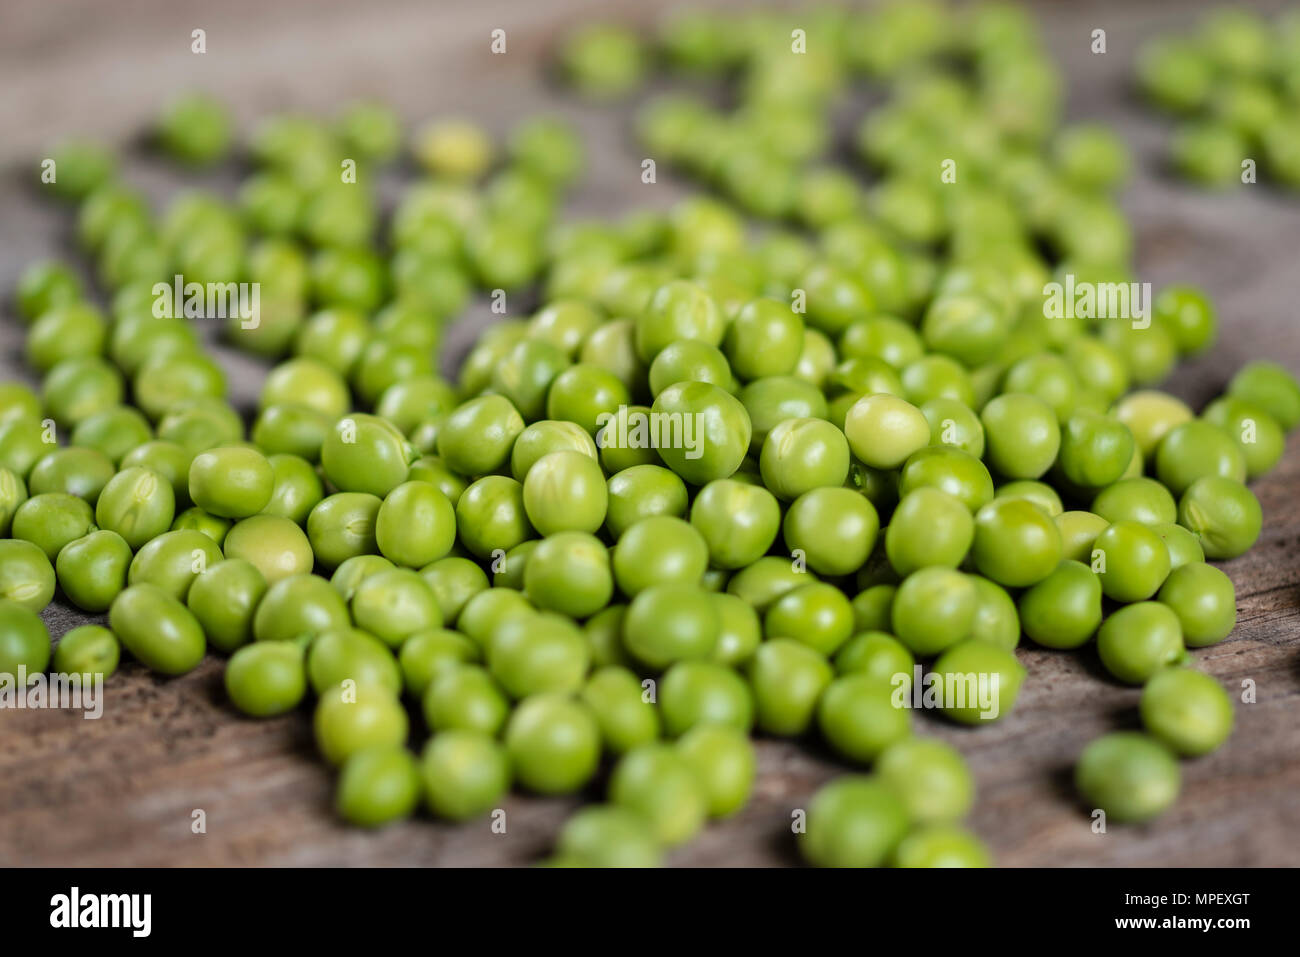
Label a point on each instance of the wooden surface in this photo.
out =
(122, 790)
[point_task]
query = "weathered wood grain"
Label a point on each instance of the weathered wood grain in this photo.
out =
(121, 790)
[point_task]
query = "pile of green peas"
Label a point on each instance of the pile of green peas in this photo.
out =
(899, 457)
(1234, 85)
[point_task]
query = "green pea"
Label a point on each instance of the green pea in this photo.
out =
(1078, 531)
(267, 678)
(1257, 435)
(297, 608)
(1064, 609)
(544, 437)
(71, 471)
(364, 453)
(1223, 514)
(427, 655)
(1196, 449)
(858, 717)
(1187, 711)
(276, 546)
(1204, 600)
(854, 821)
(659, 550)
(787, 678)
(349, 720)
(933, 609)
(416, 525)
(951, 471)
(223, 599)
(464, 774)
(714, 431)
(976, 666)
(378, 786)
(138, 504)
(941, 845)
(1139, 640)
(297, 488)
(491, 516)
(157, 629)
(24, 641)
(1140, 500)
(1021, 435)
(52, 520)
(351, 655)
(1271, 387)
(342, 526)
(454, 581)
(173, 561)
(87, 650)
(929, 777)
(477, 437)
(655, 781)
(1130, 776)
(669, 623)
(608, 836)
(996, 619)
(465, 697)
(694, 693)
(553, 743)
(1016, 543)
(626, 715)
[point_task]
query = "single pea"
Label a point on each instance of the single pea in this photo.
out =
(570, 573)
(276, 546)
(296, 490)
(1078, 531)
(659, 550)
(641, 492)
(949, 470)
(854, 821)
(454, 581)
(553, 743)
(693, 693)
(933, 609)
(538, 654)
(487, 611)
(1139, 499)
(739, 630)
(608, 836)
(671, 622)
(351, 655)
(378, 786)
(393, 605)
(71, 471)
(1271, 387)
(364, 453)
(941, 845)
(655, 781)
(433, 470)
(223, 598)
(173, 560)
(1021, 435)
(157, 629)
(803, 454)
(996, 619)
(355, 570)
(1259, 438)
(954, 425)
(604, 634)
(565, 491)
(929, 528)
(871, 608)
(45, 285)
(138, 504)
(168, 459)
(1139, 640)
(737, 521)
(834, 528)
(1064, 609)
(89, 651)
(875, 653)
(24, 641)
(427, 655)
(817, 614)
(1129, 775)
(929, 777)
(883, 430)
(266, 679)
(787, 678)
(1095, 449)
(678, 310)
(773, 399)
(724, 764)
(26, 576)
(587, 395)
(544, 437)
(1187, 711)
(297, 609)
(415, 525)
(1196, 449)
(342, 526)
(1204, 600)
(1150, 415)
(763, 582)
(858, 717)
(348, 720)
(464, 774)
(13, 492)
(981, 681)
(465, 697)
(627, 716)
(765, 339)
(1223, 514)
(714, 433)
(52, 520)
(1016, 542)
(1184, 547)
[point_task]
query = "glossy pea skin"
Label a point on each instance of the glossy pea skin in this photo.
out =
(51, 521)
(659, 550)
(544, 437)
(983, 661)
(342, 526)
(724, 764)
(1138, 499)
(1078, 531)
(350, 654)
(655, 781)
(157, 629)
(138, 504)
(1129, 775)
(465, 697)
(1150, 415)
(951, 471)
(1095, 449)
(538, 654)
(364, 453)
(621, 707)
(348, 720)
(415, 525)
(1016, 543)
(737, 520)
(1223, 513)
(427, 655)
(871, 608)
(1257, 434)
(553, 743)
(933, 609)
(1136, 561)
(669, 623)
(173, 561)
(1184, 547)
(678, 310)
(565, 491)
(641, 492)
(92, 570)
(223, 599)
(393, 605)
(929, 777)
(1021, 435)
(72, 471)
(1139, 640)
(996, 619)
(491, 515)
(297, 608)
(608, 836)
(168, 459)
(835, 529)
(477, 437)
(1204, 600)
(719, 433)
(858, 717)
(1196, 449)
(1187, 711)
(378, 786)
(787, 678)
(24, 640)
(87, 650)
(739, 630)
(276, 546)
(267, 678)
(464, 773)
(296, 490)
(883, 430)
(929, 528)
(1064, 609)
(801, 454)
(569, 573)
(454, 580)
(693, 693)
(854, 821)
(1270, 386)
(232, 482)
(817, 614)
(764, 339)
(13, 492)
